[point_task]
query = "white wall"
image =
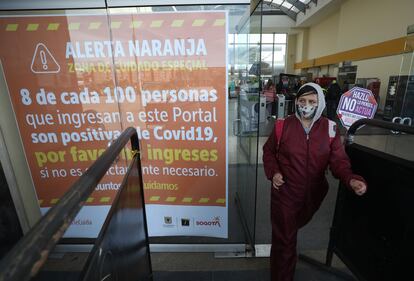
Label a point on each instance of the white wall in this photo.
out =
(302, 45)
(291, 53)
(372, 21)
(356, 24)
(323, 37)
(277, 24)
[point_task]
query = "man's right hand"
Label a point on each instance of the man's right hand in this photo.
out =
(277, 180)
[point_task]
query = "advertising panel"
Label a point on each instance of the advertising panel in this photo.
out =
(76, 81)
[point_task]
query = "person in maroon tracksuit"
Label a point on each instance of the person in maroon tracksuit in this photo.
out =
(296, 165)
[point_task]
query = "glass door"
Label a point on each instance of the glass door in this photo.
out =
(188, 79)
(249, 111)
(242, 76)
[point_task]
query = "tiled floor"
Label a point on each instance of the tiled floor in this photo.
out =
(206, 267)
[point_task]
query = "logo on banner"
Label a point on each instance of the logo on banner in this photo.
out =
(213, 222)
(185, 222)
(168, 220)
(43, 60)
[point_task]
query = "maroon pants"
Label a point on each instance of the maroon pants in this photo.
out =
(288, 214)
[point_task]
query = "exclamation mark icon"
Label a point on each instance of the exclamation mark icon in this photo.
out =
(43, 59)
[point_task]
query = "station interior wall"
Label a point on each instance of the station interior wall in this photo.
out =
(353, 25)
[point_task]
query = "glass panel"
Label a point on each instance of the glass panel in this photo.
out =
(407, 70)
(396, 144)
(63, 92)
(254, 38)
(267, 38)
(273, 63)
(294, 9)
(151, 25)
(249, 110)
(287, 5)
(242, 38)
(241, 54)
(280, 38)
(398, 108)
(267, 60)
(230, 38)
(279, 59)
(231, 54)
(177, 62)
(109, 86)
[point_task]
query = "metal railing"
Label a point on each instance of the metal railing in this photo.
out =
(31, 252)
(349, 138)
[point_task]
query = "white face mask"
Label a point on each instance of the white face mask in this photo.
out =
(306, 111)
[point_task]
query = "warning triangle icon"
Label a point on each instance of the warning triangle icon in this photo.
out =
(43, 60)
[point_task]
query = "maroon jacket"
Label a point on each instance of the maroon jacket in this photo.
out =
(303, 160)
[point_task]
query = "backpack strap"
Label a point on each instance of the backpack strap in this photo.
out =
(279, 130)
(332, 130)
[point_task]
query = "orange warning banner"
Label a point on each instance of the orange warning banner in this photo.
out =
(76, 82)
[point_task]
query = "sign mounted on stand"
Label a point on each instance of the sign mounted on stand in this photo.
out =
(355, 104)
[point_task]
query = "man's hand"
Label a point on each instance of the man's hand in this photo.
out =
(277, 180)
(358, 186)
